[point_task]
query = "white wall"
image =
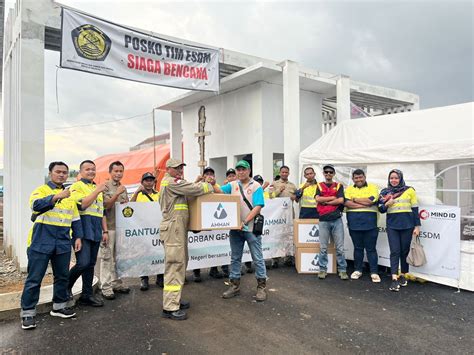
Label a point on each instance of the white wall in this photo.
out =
(248, 121)
(235, 122)
(310, 118)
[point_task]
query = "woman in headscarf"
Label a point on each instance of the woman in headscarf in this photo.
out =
(400, 203)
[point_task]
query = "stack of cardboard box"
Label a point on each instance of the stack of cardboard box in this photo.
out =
(306, 240)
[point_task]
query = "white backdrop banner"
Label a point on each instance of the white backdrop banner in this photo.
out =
(139, 250)
(440, 237)
(101, 47)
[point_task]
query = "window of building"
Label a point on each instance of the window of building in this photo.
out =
(455, 187)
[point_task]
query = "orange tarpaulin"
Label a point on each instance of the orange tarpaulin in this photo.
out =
(136, 162)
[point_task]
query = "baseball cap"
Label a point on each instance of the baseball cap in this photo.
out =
(148, 176)
(230, 171)
(258, 178)
(174, 163)
(330, 166)
(242, 164)
(208, 168)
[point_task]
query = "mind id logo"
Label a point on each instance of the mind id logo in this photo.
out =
(220, 213)
(424, 214)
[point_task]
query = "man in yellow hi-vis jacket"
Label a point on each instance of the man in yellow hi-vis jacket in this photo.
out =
(174, 233)
(90, 202)
(54, 215)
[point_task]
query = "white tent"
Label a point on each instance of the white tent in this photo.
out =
(434, 148)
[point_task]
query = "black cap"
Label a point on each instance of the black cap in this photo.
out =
(148, 176)
(330, 166)
(207, 169)
(258, 178)
(230, 171)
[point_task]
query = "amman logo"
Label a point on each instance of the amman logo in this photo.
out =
(220, 212)
(91, 43)
(314, 232)
(127, 212)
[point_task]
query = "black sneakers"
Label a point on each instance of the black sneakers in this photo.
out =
(90, 301)
(174, 315)
(160, 280)
(65, 312)
(394, 286)
(215, 273)
(184, 305)
(28, 322)
(402, 281)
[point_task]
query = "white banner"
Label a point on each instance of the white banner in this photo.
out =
(440, 237)
(139, 250)
(101, 47)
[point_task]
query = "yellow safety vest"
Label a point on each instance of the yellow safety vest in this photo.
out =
(370, 190)
(307, 199)
(79, 190)
(404, 202)
(62, 214)
(141, 197)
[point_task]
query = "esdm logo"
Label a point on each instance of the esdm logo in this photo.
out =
(220, 213)
(314, 232)
(127, 212)
(424, 214)
(90, 42)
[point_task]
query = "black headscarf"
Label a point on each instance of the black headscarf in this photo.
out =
(395, 191)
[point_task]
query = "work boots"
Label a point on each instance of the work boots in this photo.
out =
(234, 289)
(261, 292)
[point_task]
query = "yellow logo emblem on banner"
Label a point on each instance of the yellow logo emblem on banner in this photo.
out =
(127, 212)
(90, 42)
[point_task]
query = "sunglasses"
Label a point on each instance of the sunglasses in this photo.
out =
(328, 172)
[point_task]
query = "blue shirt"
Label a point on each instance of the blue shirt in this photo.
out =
(257, 196)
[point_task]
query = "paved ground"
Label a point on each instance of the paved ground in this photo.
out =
(302, 315)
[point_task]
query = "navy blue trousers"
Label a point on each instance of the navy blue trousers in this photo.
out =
(85, 263)
(365, 240)
(399, 241)
(37, 265)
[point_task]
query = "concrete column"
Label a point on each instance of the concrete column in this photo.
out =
(291, 116)
(343, 89)
(176, 136)
(24, 120)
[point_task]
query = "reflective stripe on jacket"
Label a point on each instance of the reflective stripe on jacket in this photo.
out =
(80, 190)
(59, 217)
(368, 191)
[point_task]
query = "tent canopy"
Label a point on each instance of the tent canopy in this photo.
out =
(444, 133)
(136, 162)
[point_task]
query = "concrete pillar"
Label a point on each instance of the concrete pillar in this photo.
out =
(343, 92)
(176, 136)
(23, 108)
(291, 116)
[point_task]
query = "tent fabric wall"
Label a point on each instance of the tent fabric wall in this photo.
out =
(136, 162)
(437, 134)
(412, 142)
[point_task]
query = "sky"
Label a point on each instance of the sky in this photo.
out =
(423, 47)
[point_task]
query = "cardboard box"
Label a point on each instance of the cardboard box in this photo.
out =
(306, 233)
(214, 211)
(305, 260)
